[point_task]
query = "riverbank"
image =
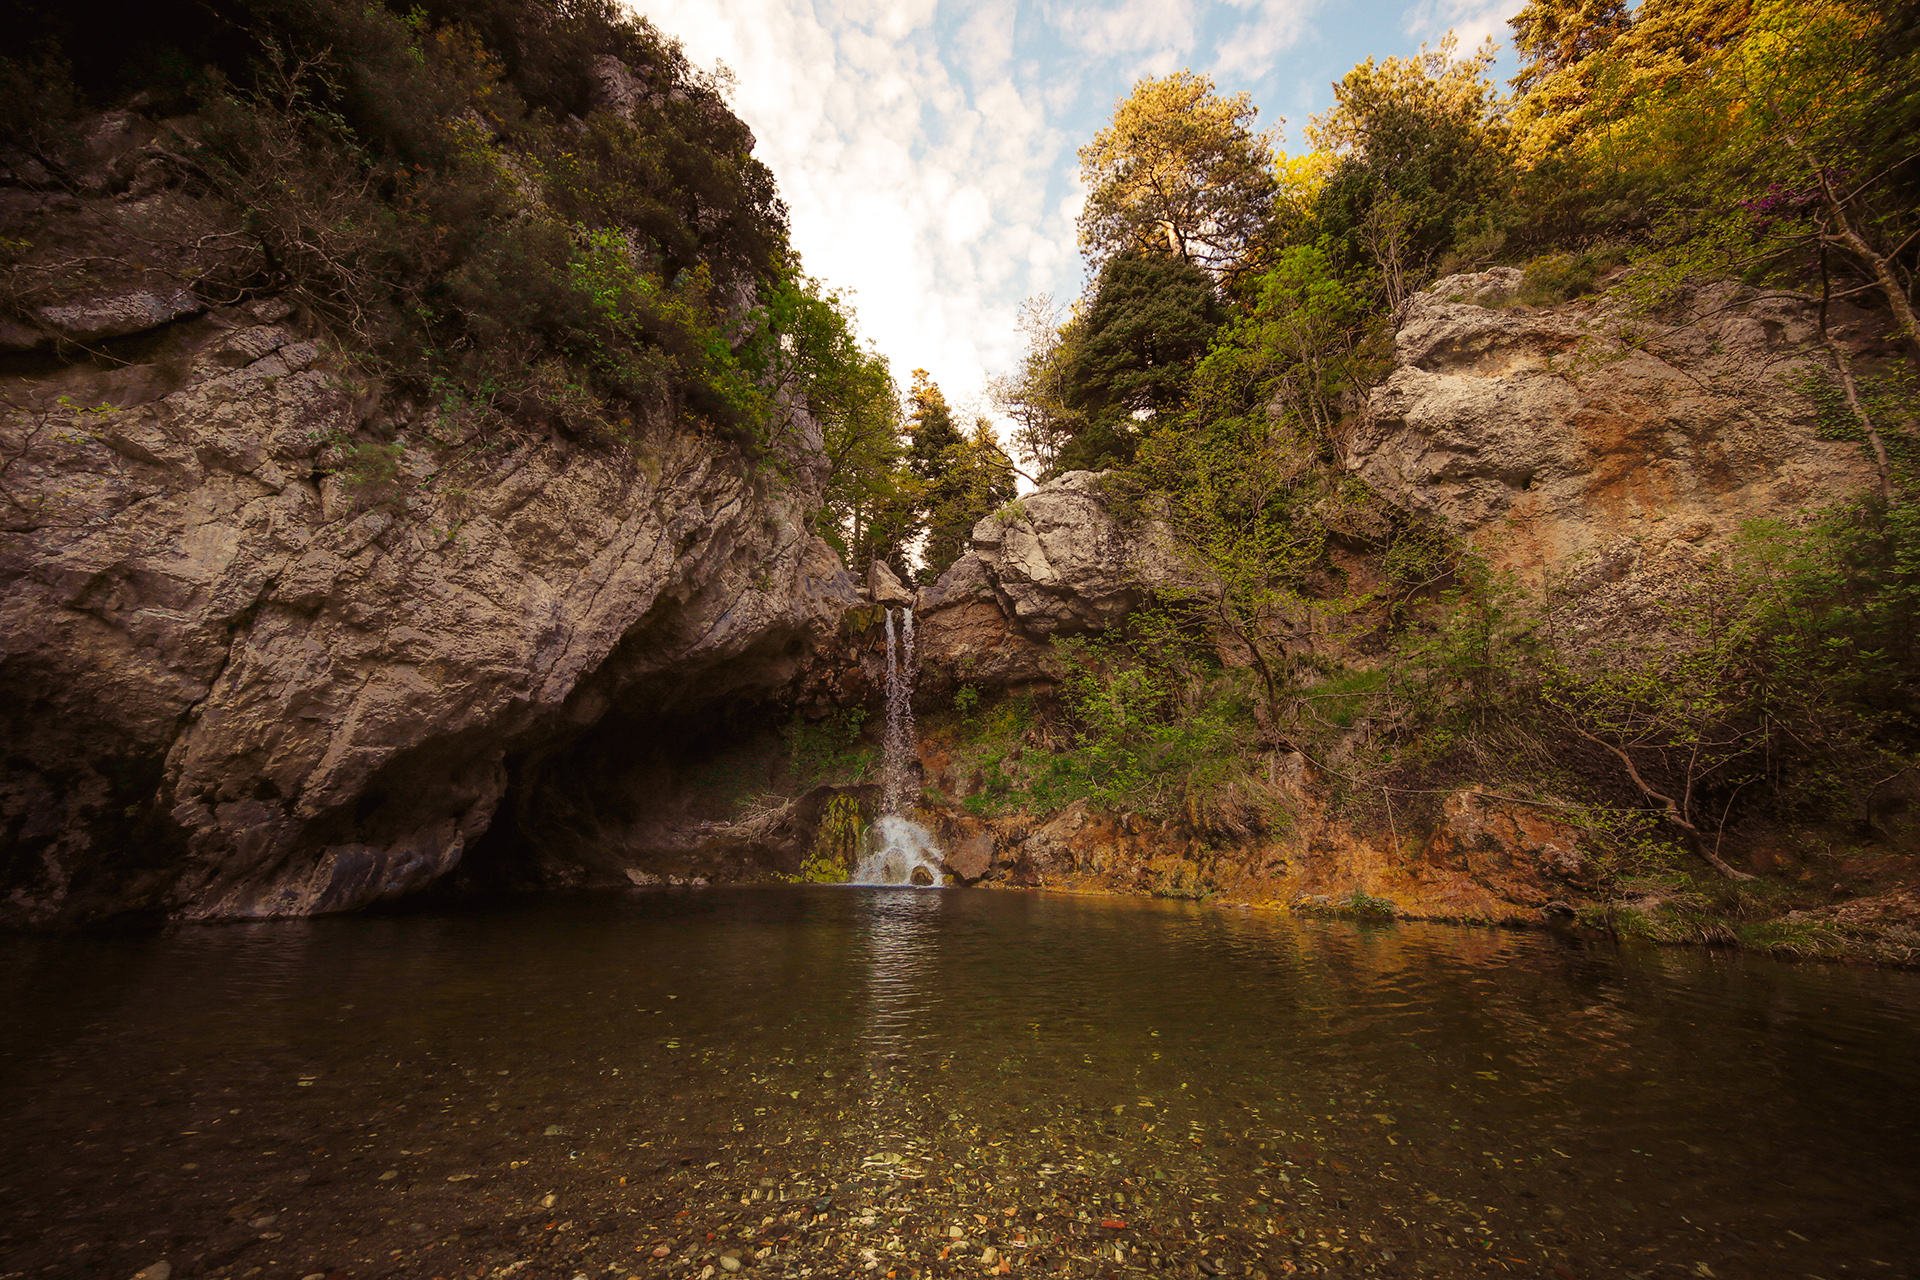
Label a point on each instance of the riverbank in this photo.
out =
(1877, 931)
(1485, 864)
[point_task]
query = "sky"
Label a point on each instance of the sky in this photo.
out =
(926, 148)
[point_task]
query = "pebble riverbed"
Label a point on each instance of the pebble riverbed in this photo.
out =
(896, 1083)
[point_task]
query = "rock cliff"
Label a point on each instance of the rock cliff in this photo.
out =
(1595, 449)
(1057, 561)
(236, 680)
(1604, 459)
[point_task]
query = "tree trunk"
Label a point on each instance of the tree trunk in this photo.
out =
(1670, 805)
(1844, 236)
(1844, 364)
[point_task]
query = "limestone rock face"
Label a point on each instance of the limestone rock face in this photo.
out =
(1055, 562)
(257, 659)
(1061, 561)
(884, 585)
(1606, 451)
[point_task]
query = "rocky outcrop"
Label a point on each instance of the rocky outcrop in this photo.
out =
(269, 649)
(1057, 561)
(884, 586)
(1591, 447)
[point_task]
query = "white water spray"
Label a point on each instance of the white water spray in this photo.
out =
(899, 850)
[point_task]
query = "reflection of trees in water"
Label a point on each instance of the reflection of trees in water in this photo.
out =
(897, 937)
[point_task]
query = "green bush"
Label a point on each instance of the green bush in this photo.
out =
(830, 749)
(440, 186)
(836, 843)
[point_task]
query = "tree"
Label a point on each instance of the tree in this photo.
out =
(1823, 108)
(1586, 105)
(1035, 394)
(975, 481)
(1292, 353)
(1150, 321)
(1180, 168)
(1422, 150)
(1552, 35)
(930, 430)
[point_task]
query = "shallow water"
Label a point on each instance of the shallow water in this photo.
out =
(811, 1080)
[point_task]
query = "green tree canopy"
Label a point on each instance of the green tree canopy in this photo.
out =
(1422, 149)
(1035, 395)
(1150, 321)
(1551, 35)
(931, 433)
(1179, 168)
(976, 480)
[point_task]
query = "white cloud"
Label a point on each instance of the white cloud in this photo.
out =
(1250, 48)
(917, 176)
(1473, 21)
(1129, 27)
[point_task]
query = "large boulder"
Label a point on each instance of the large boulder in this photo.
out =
(1057, 561)
(1588, 445)
(1061, 560)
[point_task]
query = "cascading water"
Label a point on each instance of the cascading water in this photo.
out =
(899, 851)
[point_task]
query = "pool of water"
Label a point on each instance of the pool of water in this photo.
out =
(835, 1082)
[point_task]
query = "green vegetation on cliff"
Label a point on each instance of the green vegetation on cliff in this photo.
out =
(1220, 369)
(523, 214)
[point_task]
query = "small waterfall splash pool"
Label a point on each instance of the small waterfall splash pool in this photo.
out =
(899, 851)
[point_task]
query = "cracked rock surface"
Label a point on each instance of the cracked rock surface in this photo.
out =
(238, 678)
(1606, 450)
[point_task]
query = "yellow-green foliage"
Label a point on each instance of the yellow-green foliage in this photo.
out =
(836, 842)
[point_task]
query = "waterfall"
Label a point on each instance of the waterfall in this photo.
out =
(898, 783)
(899, 850)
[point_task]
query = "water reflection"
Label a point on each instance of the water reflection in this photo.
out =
(840, 1076)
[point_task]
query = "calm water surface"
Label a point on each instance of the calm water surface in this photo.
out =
(841, 1082)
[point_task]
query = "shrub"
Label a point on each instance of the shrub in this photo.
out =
(1558, 277)
(836, 842)
(830, 749)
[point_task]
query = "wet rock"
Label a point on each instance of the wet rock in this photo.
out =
(972, 858)
(161, 1270)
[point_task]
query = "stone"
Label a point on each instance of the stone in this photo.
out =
(971, 858)
(119, 315)
(1565, 444)
(1516, 849)
(236, 685)
(1062, 561)
(885, 587)
(1056, 561)
(162, 1270)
